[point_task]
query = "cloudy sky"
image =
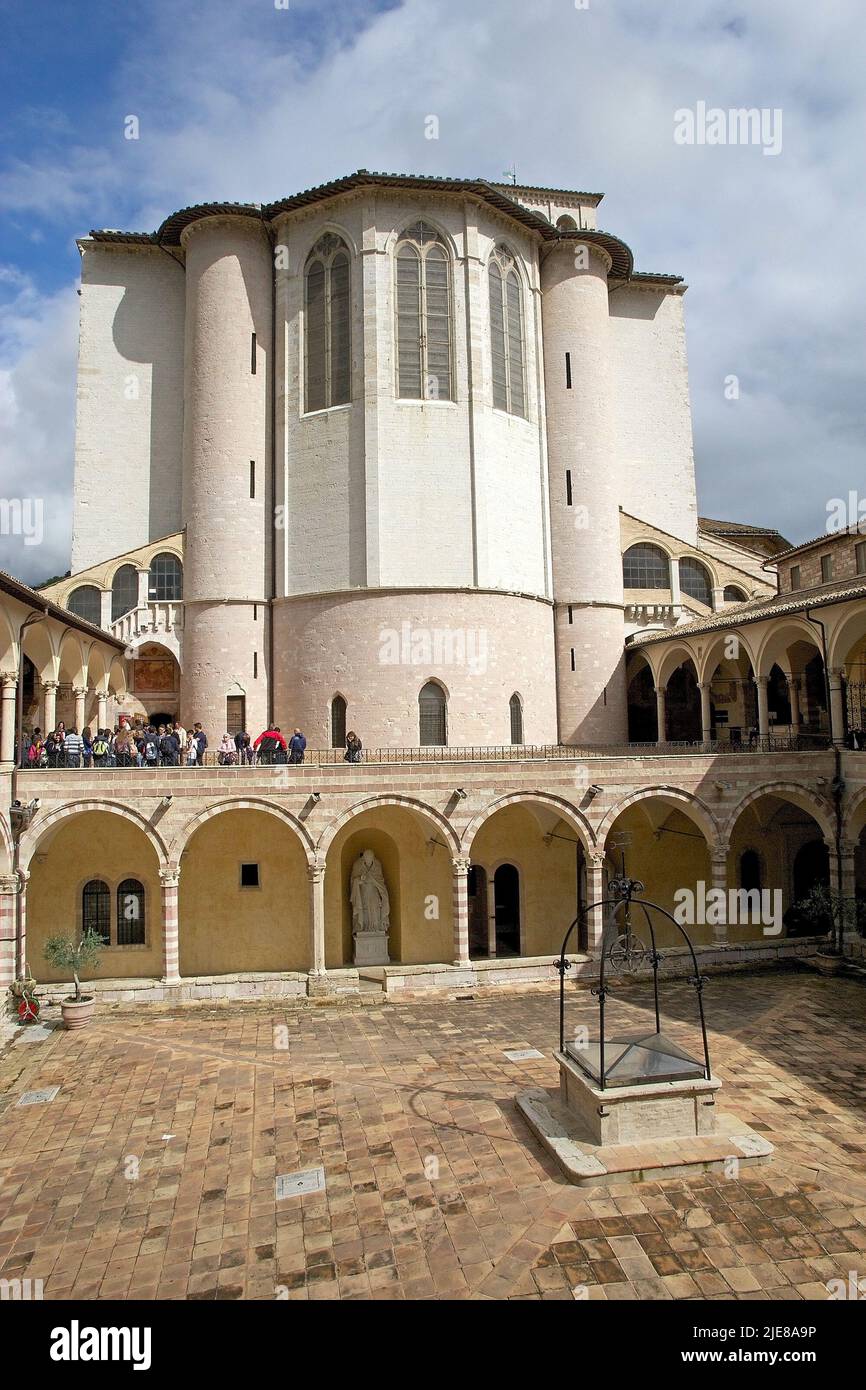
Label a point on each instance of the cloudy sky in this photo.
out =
(250, 101)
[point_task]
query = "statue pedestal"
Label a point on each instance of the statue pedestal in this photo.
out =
(371, 948)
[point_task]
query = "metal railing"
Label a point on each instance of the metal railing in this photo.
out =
(488, 753)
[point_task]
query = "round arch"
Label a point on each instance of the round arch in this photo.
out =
(851, 830)
(773, 648)
(183, 837)
(674, 656)
(370, 803)
(691, 806)
(715, 653)
(845, 635)
(564, 809)
(813, 805)
(71, 658)
(33, 837)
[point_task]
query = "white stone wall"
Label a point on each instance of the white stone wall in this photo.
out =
(129, 410)
(367, 487)
(653, 412)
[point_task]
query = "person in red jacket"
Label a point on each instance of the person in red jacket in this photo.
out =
(269, 743)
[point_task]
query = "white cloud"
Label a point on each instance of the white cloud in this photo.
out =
(247, 102)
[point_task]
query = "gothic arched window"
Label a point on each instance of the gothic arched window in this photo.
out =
(338, 722)
(130, 913)
(696, 582)
(645, 566)
(506, 333)
(515, 707)
(432, 726)
(423, 315)
(124, 591)
(96, 909)
(327, 329)
(86, 602)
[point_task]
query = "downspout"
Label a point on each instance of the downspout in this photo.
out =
(838, 788)
(19, 720)
(272, 452)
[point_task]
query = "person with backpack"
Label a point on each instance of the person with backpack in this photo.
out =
(297, 747)
(150, 747)
(267, 744)
(243, 747)
(74, 746)
(101, 748)
(169, 748)
(87, 748)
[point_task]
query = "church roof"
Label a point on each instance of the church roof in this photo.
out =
(496, 195)
(17, 589)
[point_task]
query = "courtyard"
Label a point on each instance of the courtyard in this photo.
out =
(151, 1173)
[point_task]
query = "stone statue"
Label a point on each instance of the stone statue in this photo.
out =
(368, 892)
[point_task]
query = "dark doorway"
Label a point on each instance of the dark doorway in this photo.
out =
(161, 718)
(683, 705)
(643, 724)
(479, 942)
(811, 870)
(506, 899)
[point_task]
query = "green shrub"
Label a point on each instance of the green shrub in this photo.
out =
(79, 957)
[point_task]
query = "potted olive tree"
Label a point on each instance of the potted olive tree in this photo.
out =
(79, 957)
(823, 910)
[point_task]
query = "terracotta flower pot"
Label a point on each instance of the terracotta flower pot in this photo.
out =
(829, 964)
(77, 1014)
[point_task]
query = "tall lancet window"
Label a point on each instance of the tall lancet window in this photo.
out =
(506, 333)
(424, 347)
(327, 324)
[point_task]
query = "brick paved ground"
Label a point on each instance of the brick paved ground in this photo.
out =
(98, 1202)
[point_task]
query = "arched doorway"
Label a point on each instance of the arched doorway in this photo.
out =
(506, 908)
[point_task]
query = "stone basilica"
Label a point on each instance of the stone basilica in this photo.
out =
(413, 457)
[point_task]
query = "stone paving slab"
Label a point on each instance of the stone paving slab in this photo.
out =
(152, 1173)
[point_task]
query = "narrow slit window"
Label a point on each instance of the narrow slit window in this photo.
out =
(570, 614)
(253, 354)
(568, 371)
(255, 665)
(568, 487)
(572, 658)
(252, 478)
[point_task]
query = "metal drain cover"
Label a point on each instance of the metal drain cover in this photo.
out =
(39, 1097)
(294, 1184)
(523, 1054)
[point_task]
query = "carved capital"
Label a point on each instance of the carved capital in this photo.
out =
(170, 877)
(461, 863)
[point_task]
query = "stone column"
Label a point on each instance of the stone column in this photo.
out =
(661, 692)
(596, 888)
(49, 705)
(80, 693)
(105, 609)
(706, 718)
(763, 709)
(460, 907)
(794, 697)
(170, 878)
(102, 709)
(8, 752)
(316, 878)
(846, 882)
(676, 596)
(837, 708)
(21, 943)
(143, 584)
(719, 879)
(8, 895)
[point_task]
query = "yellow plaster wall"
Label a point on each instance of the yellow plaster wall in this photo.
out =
(673, 860)
(224, 928)
(95, 844)
(548, 874)
(413, 873)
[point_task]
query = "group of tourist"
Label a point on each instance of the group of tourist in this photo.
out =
(133, 743)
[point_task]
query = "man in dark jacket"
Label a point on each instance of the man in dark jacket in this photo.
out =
(297, 747)
(200, 737)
